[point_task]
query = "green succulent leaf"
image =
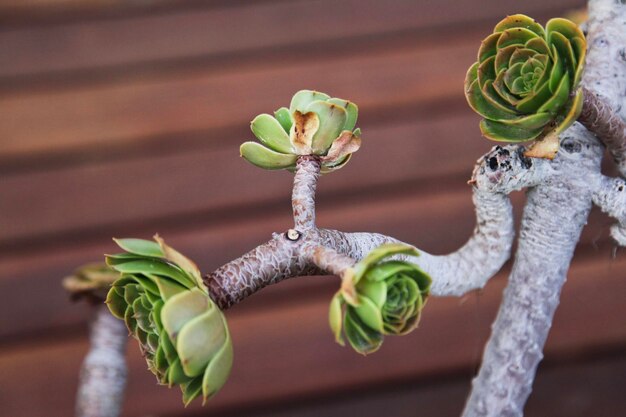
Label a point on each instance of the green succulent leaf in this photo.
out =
(520, 21)
(116, 303)
(387, 298)
(218, 369)
(191, 390)
(155, 267)
(283, 115)
(301, 100)
(369, 313)
(140, 247)
(352, 112)
(165, 305)
(500, 132)
(362, 339)
(526, 80)
(199, 340)
(265, 158)
(332, 121)
(334, 317)
(271, 133)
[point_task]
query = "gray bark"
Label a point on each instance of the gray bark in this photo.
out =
(554, 215)
(103, 373)
(464, 270)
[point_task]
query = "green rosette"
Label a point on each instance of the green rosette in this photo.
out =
(182, 333)
(379, 296)
(314, 124)
(526, 82)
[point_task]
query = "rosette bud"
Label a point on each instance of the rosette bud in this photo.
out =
(379, 296)
(181, 332)
(314, 124)
(526, 83)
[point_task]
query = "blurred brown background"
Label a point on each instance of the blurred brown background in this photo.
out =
(123, 118)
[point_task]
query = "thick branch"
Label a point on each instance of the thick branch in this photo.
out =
(327, 260)
(610, 196)
(266, 264)
(601, 119)
(502, 170)
(303, 195)
(103, 373)
(554, 215)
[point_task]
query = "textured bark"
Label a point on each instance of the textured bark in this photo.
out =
(103, 373)
(267, 264)
(464, 270)
(560, 196)
(554, 215)
(303, 195)
(599, 117)
(610, 195)
(327, 260)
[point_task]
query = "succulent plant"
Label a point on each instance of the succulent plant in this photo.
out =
(314, 124)
(181, 332)
(526, 81)
(379, 297)
(91, 280)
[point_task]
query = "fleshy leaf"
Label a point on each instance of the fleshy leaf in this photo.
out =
(140, 247)
(265, 158)
(515, 36)
(352, 112)
(485, 107)
(504, 133)
(283, 115)
(519, 21)
(362, 339)
(218, 370)
(182, 308)
(369, 313)
(116, 303)
(199, 340)
(301, 100)
(271, 133)
(184, 263)
(156, 267)
(332, 119)
(334, 317)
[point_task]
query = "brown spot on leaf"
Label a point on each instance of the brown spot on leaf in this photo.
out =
(304, 127)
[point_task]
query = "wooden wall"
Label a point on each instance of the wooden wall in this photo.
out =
(123, 118)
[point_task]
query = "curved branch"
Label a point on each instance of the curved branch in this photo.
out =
(602, 120)
(500, 171)
(554, 215)
(266, 264)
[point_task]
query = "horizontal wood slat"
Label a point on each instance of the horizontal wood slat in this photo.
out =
(559, 391)
(207, 181)
(129, 113)
(37, 275)
(438, 222)
(449, 339)
(231, 30)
